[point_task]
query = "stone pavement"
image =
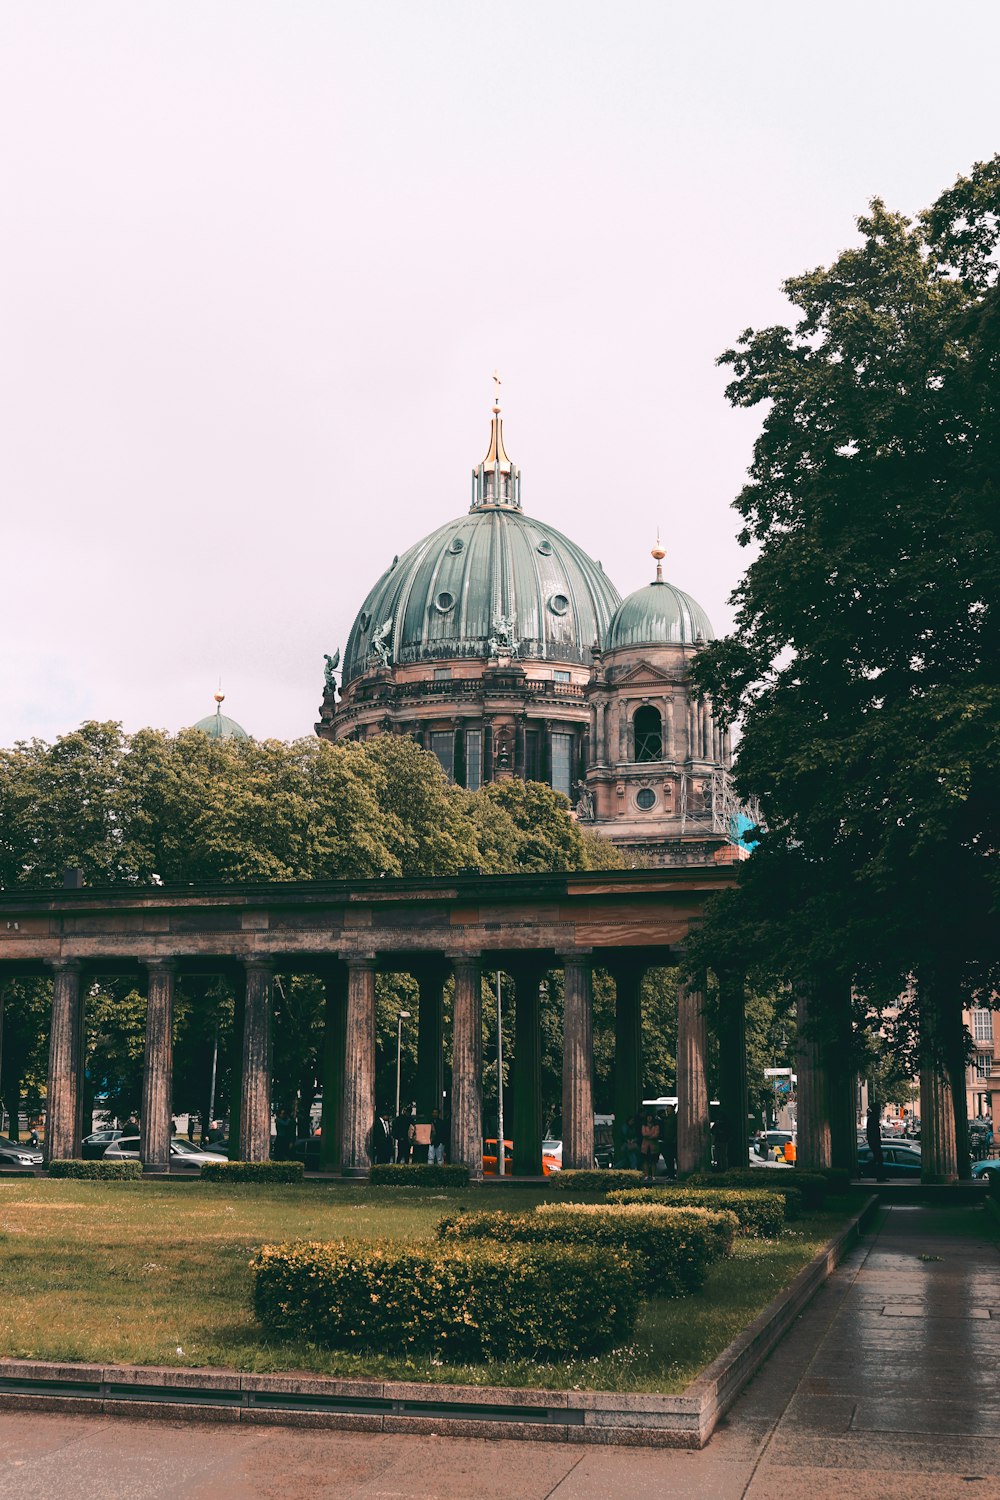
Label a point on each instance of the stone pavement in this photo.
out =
(887, 1387)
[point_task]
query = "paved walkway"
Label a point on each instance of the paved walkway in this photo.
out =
(888, 1387)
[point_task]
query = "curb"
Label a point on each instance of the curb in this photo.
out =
(641, 1419)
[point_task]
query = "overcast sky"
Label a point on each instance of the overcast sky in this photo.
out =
(259, 260)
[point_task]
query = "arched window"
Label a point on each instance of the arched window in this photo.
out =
(648, 727)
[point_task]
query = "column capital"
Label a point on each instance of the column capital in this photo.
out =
(361, 960)
(159, 965)
(65, 965)
(575, 955)
(466, 960)
(263, 962)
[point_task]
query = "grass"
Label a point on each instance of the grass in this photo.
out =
(157, 1273)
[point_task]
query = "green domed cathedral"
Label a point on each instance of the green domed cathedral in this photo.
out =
(506, 650)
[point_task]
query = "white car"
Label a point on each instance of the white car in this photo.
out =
(183, 1156)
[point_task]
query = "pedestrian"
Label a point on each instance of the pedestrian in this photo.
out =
(873, 1131)
(284, 1135)
(435, 1151)
(649, 1146)
(382, 1136)
(401, 1135)
(668, 1140)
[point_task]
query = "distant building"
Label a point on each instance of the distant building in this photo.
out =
(218, 727)
(506, 650)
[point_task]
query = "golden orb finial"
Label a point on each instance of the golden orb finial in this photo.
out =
(219, 697)
(659, 553)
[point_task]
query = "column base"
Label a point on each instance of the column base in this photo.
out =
(360, 1173)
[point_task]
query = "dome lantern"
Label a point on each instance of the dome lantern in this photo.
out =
(496, 481)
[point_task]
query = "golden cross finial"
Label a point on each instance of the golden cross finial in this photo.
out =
(496, 393)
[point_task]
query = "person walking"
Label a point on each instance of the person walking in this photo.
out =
(435, 1151)
(382, 1137)
(873, 1132)
(668, 1140)
(649, 1145)
(401, 1135)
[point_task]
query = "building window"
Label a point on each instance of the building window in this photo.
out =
(560, 677)
(982, 1025)
(645, 798)
(648, 728)
(984, 1065)
(562, 763)
(442, 674)
(473, 759)
(443, 746)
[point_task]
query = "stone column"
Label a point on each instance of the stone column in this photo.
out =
(628, 1042)
(158, 1071)
(669, 748)
(62, 1110)
(842, 1081)
(467, 1068)
(733, 1137)
(487, 751)
(236, 1079)
(527, 1121)
(813, 1111)
(359, 1066)
(938, 1153)
(578, 1063)
(694, 1137)
(430, 1038)
(255, 1102)
(334, 1052)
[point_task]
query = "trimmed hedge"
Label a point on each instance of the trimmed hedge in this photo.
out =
(838, 1179)
(595, 1181)
(463, 1301)
(387, 1174)
(760, 1215)
(674, 1246)
(801, 1189)
(252, 1171)
(107, 1171)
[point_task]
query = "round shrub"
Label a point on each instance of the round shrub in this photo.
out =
(674, 1246)
(464, 1301)
(760, 1215)
(104, 1171)
(252, 1171)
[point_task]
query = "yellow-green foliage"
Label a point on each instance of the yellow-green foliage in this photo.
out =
(462, 1301)
(802, 1190)
(674, 1246)
(760, 1215)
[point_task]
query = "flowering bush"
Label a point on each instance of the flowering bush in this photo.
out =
(759, 1214)
(674, 1246)
(467, 1301)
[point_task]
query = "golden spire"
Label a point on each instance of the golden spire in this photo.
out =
(659, 553)
(497, 453)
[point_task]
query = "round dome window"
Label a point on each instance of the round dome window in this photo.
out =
(364, 619)
(645, 798)
(457, 545)
(444, 602)
(559, 604)
(545, 548)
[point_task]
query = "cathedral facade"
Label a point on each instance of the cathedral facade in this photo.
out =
(505, 649)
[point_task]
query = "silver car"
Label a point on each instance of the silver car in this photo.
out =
(18, 1154)
(183, 1156)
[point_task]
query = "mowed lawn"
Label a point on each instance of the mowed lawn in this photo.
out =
(158, 1273)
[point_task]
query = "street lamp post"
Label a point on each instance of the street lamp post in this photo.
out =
(501, 1163)
(403, 1015)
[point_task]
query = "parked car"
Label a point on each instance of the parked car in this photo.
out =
(19, 1154)
(900, 1160)
(183, 1156)
(988, 1170)
(772, 1143)
(307, 1150)
(94, 1146)
(549, 1162)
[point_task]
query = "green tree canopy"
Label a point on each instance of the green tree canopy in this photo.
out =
(865, 659)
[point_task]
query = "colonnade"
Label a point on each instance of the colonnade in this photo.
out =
(348, 1056)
